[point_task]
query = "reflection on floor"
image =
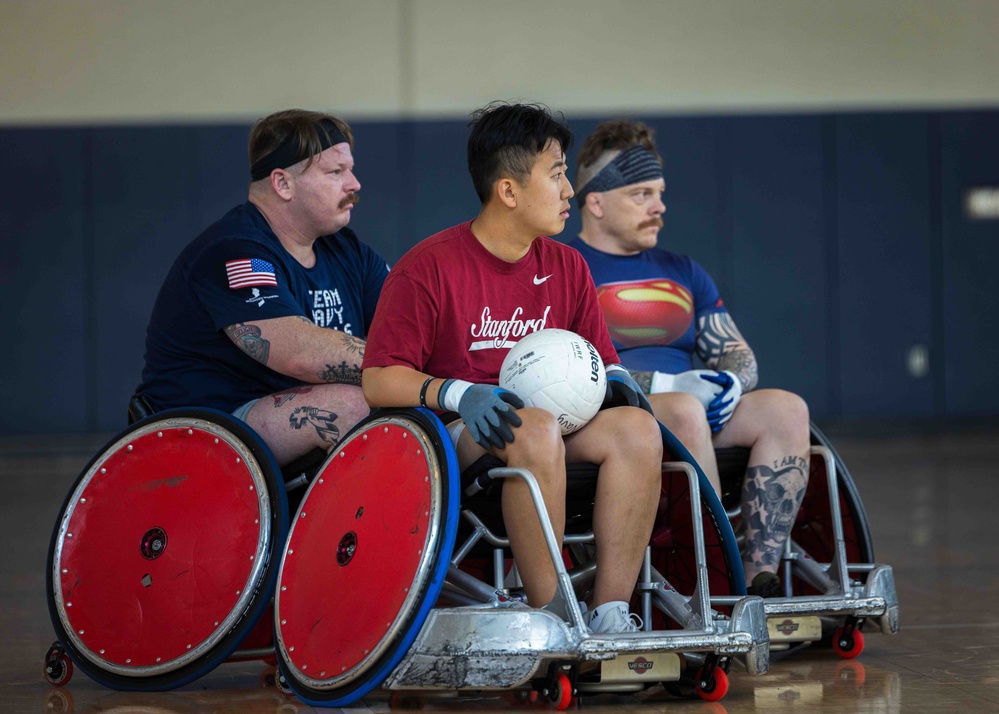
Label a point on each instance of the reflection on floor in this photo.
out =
(932, 503)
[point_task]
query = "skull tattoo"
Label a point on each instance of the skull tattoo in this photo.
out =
(769, 505)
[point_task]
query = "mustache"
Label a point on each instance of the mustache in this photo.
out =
(350, 198)
(657, 222)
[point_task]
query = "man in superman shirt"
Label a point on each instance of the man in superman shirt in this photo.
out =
(662, 309)
(265, 314)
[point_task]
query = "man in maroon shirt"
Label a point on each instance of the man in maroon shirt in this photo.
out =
(454, 305)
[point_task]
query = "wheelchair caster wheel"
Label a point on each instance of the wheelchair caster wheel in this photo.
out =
(281, 682)
(560, 693)
(848, 644)
(58, 666)
(712, 687)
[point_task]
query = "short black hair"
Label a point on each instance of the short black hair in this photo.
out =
(506, 139)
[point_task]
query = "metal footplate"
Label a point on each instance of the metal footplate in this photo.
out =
(798, 618)
(876, 599)
(507, 646)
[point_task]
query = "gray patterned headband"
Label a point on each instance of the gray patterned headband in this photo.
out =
(632, 165)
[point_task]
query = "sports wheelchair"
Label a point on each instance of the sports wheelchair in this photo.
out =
(163, 557)
(832, 583)
(391, 494)
(169, 547)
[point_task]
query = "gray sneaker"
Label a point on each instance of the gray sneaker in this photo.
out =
(613, 617)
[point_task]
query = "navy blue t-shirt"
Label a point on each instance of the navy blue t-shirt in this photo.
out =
(238, 271)
(652, 302)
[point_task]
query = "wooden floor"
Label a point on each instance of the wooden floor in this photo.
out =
(933, 503)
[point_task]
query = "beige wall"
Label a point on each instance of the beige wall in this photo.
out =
(154, 60)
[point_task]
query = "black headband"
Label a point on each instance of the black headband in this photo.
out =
(289, 152)
(632, 165)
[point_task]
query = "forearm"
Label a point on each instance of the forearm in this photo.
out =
(296, 347)
(643, 379)
(398, 386)
(722, 348)
(742, 363)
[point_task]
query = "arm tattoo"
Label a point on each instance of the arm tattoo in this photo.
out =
(642, 379)
(346, 372)
(342, 373)
(742, 363)
(722, 347)
(353, 345)
(770, 502)
(248, 339)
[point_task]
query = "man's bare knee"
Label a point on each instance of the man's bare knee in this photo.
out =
(787, 417)
(637, 436)
(537, 441)
(684, 415)
(539, 431)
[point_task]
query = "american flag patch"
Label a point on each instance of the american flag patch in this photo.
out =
(247, 272)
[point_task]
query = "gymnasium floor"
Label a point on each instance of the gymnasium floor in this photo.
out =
(933, 502)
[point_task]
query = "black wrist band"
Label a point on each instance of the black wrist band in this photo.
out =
(423, 391)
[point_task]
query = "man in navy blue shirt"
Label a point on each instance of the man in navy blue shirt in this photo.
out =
(662, 309)
(265, 314)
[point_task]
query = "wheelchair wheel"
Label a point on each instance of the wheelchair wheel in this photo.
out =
(366, 557)
(164, 554)
(813, 529)
(673, 552)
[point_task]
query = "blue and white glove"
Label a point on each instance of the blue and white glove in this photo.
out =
(720, 410)
(699, 382)
(485, 409)
(622, 389)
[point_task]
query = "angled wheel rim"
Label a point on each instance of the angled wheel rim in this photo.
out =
(126, 468)
(308, 631)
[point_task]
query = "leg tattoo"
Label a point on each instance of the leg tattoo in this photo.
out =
(321, 419)
(770, 501)
(282, 398)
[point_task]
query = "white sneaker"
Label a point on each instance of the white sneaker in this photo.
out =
(613, 617)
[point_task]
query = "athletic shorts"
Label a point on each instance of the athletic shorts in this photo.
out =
(242, 412)
(454, 430)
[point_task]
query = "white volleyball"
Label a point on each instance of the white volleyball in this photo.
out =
(559, 371)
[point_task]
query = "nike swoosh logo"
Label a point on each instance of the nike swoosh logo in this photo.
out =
(538, 281)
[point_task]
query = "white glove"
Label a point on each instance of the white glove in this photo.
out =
(721, 409)
(696, 381)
